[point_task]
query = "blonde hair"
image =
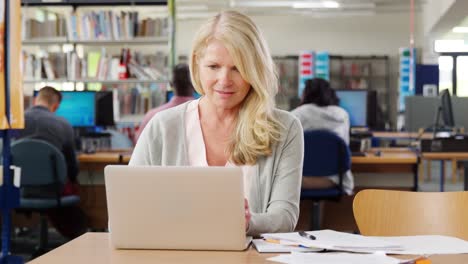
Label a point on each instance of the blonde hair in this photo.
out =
(257, 129)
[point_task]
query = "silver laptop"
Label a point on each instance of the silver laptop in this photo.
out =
(189, 208)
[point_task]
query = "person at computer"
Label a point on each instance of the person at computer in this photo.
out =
(183, 92)
(234, 123)
(319, 110)
(42, 123)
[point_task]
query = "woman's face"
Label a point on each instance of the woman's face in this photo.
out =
(221, 81)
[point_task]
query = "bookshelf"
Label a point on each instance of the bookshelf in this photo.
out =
(368, 73)
(100, 45)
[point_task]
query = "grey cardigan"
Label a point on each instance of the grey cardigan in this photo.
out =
(274, 193)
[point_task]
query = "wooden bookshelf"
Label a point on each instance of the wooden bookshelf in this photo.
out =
(130, 25)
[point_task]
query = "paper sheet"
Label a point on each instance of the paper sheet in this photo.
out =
(265, 247)
(334, 240)
(428, 245)
(334, 258)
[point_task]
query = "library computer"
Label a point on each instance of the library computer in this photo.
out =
(361, 106)
(445, 136)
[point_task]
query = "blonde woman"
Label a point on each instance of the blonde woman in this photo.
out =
(234, 123)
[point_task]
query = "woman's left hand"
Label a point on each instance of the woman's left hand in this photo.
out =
(247, 214)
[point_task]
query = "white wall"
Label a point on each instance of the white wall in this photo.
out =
(434, 10)
(380, 34)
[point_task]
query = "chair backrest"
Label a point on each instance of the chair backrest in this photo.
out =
(325, 154)
(398, 213)
(41, 163)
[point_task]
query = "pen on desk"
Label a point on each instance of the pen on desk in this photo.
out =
(275, 241)
(304, 234)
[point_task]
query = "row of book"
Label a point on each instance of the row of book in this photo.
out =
(49, 28)
(107, 25)
(94, 25)
(139, 99)
(95, 65)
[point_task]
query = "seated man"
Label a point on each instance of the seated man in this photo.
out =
(42, 123)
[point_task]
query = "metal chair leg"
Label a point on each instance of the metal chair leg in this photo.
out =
(43, 238)
(315, 217)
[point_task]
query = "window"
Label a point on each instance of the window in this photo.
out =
(462, 76)
(445, 73)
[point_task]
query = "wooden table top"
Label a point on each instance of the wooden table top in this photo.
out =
(95, 248)
(401, 135)
(445, 155)
(387, 156)
(110, 157)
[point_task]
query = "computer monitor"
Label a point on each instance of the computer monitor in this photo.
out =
(170, 94)
(104, 108)
(355, 103)
(78, 108)
(446, 105)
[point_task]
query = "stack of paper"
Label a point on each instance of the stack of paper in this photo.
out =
(336, 258)
(263, 246)
(428, 245)
(339, 241)
(333, 240)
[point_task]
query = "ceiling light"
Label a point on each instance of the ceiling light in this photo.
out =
(323, 4)
(460, 30)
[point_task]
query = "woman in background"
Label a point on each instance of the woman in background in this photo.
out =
(319, 110)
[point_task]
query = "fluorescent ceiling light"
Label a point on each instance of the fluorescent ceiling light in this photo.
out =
(460, 30)
(322, 4)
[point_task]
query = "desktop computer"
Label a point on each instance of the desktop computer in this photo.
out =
(361, 106)
(458, 143)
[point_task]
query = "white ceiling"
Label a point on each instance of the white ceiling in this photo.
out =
(187, 9)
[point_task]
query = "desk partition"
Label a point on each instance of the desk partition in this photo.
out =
(420, 112)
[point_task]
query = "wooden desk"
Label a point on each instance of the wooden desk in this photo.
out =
(390, 160)
(98, 160)
(93, 197)
(95, 248)
(444, 156)
(401, 135)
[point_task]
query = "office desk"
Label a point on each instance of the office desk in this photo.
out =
(401, 135)
(95, 248)
(93, 196)
(98, 160)
(391, 160)
(444, 156)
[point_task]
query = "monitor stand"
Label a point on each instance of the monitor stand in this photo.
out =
(437, 127)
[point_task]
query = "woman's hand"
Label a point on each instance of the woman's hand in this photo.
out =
(247, 214)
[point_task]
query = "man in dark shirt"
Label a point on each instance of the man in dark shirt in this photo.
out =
(42, 123)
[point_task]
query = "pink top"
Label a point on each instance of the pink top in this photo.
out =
(175, 100)
(196, 146)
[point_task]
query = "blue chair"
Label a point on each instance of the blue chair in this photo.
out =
(43, 174)
(325, 154)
